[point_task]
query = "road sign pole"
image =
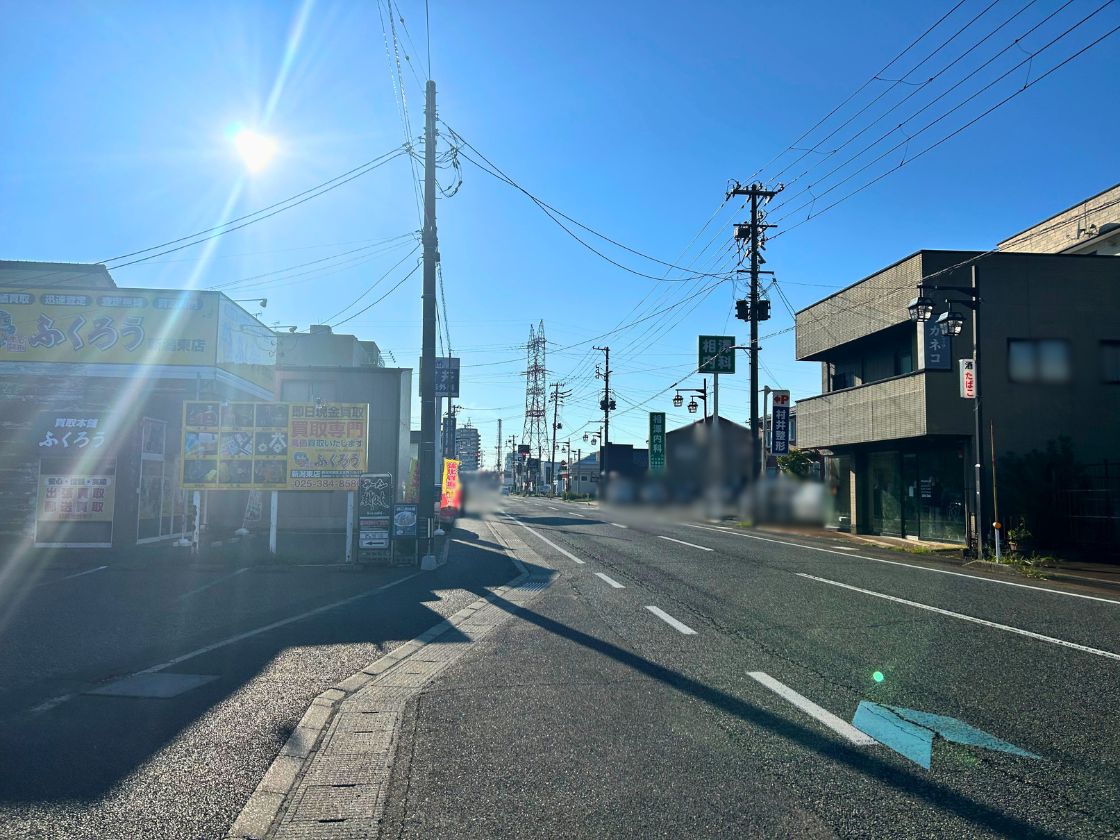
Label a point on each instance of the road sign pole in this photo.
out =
(273, 509)
(350, 526)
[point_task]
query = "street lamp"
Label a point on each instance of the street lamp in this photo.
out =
(950, 323)
(692, 406)
(678, 401)
(920, 308)
(261, 302)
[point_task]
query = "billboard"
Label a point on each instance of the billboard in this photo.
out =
(273, 446)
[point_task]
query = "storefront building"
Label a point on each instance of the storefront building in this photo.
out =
(92, 382)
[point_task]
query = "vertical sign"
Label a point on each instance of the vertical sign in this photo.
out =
(968, 379)
(715, 355)
(779, 424)
(447, 377)
(451, 495)
(375, 509)
(449, 436)
(936, 347)
(657, 441)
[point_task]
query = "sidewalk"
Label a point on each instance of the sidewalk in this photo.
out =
(331, 779)
(1082, 572)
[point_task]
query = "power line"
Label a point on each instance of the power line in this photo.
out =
(373, 286)
(370, 306)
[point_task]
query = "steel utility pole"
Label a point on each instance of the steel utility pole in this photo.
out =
(427, 465)
(606, 404)
(556, 397)
(757, 241)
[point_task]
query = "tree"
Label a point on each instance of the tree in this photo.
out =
(799, 463)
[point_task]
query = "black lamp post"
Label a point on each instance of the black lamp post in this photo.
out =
(951, 323)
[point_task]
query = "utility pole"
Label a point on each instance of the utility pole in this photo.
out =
(499, 467)
(607, 404)
(428, 420)
(756, 235)
(556, 397)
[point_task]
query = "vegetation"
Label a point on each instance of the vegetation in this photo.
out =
(798, 463)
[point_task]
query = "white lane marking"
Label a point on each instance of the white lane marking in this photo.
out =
(610, 580)
(845, 548)
(672, 622)
(70, 577)
(580, 515)
(1029, 634)
(905, 565)
(248, 634)
(837, 725)
(543, 538)
(682, 542)
(615, 524)
(222, 579)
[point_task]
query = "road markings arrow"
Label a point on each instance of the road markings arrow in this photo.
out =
(910, 733)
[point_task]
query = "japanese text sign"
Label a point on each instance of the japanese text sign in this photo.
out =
(71, 433)
(273, 446)
(968, 378)
(937, 347)
(451, 490)
(779, 423)
(76, 498)
(657, 441)
(715, 354)
(447, 376)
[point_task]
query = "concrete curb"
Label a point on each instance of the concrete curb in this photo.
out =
(260, 812)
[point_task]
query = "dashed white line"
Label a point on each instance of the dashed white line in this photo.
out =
(71, 577)
(545, 539)
(904, 565)
(615, 524)
(222, 579)
(837, 725)
(963, 617)
(609, 580)
(672, 622)
(682, 542)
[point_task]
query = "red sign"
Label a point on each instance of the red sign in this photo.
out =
(451, 496)
(968, 379)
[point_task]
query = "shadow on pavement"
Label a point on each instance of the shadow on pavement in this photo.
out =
(81, 749)
(862, 762)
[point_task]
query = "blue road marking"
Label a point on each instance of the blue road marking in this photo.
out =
(910, 733)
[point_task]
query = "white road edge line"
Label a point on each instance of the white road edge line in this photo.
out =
(1029, 634)
(682, 542)
(545, 539)
(843, 553)
(837, 725)
(615, 524)
(610, 580)
(70, 577)
(672, 622)
(222, 579)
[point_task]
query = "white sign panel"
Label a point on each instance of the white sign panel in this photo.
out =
(968, 379)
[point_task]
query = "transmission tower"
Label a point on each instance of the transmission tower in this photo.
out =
(534, 433)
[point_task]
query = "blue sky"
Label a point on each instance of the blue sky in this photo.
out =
(631, 117)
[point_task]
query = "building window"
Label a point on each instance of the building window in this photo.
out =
(1045, 360)
(1110, 361)
(903, 361)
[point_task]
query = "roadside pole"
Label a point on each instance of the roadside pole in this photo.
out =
(426, 524)
(350, 526)
(273, 508)
(197, 536)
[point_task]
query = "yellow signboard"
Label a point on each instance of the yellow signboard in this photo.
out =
(273, 446)
(116, 326)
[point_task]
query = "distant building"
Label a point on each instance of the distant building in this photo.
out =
(468, 447)
(1091, 227)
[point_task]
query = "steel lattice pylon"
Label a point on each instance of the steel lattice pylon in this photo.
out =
(534, 433)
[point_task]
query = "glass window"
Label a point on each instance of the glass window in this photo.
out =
(1053, 361)
(941, 495)
(904, 361)
(885, 489)
(1021, 360)
(838, 472)
(1110, 361)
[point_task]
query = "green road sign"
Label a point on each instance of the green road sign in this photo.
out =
(714, 355)
(657, 441)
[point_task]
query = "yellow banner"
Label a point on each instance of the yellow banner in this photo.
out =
(117, 326)
(273, 446)
(452, 491)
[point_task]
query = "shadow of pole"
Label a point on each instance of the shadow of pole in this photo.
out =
(866, 764)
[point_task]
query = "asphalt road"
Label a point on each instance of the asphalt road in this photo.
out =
(267, 640)
(676, 680)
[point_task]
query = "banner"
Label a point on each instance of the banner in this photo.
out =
(657, 441)
(451, 495)
(273, 446)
